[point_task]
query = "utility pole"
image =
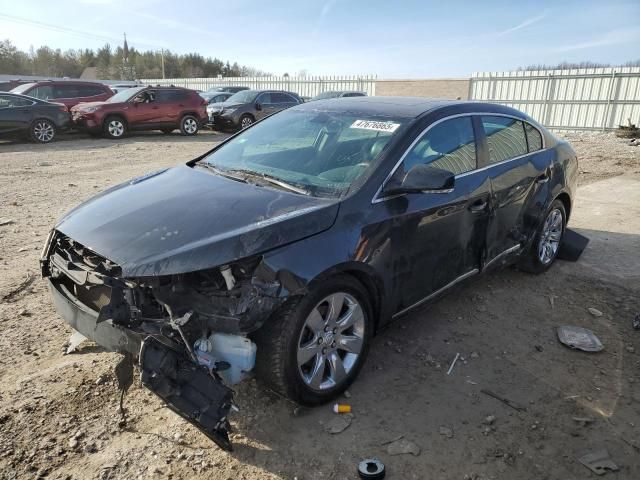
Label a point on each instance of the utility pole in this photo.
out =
(162, 58)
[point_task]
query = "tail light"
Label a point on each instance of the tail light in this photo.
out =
(203, 102)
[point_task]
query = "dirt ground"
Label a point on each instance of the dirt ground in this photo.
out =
(58, 413)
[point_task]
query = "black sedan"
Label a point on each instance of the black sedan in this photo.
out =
(297, 239)
(39, 120)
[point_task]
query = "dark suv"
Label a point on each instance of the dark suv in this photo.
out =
(248, 106)
(68, 92)
(143, 108)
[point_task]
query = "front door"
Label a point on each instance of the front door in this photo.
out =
(438, 238)
(144, 109)
(518, 175)
(15, 113)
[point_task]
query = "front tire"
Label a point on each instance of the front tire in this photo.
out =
(114, 128)
(547, 241)
(42, 131)
(246, 121)
(313, 347)
(189, 125)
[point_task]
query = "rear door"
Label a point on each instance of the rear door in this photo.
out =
(282, 100)
(517, 177)
(438, 237)
(266, 106)
(171, 104)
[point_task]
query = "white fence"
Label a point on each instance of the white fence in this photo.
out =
(576, 99)
(303, 86)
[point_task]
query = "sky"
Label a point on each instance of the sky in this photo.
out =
(390, 39)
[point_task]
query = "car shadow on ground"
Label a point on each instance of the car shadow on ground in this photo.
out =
(81, 141)
(503, 325)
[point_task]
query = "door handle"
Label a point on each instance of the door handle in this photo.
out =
(478, 206)
(544, 178)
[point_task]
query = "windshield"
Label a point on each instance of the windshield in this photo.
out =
(125, 95)
(325, 95)
(244, 96)
(22, 88)
(320, 152)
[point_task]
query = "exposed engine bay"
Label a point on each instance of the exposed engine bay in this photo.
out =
(188, 331)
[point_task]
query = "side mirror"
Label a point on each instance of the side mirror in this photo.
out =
(258, 106)
(423, 178)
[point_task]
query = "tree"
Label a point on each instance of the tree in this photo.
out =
(111, 65)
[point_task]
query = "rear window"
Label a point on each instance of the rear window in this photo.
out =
(277, 97)
(170, 95)
(505, 138)
(534, 139)
(43, 92)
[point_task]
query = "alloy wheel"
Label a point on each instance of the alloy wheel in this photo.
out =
(550, 236)
(190, 126)
(331, 341)
(246, 122)
(116, 128)
(43, 131)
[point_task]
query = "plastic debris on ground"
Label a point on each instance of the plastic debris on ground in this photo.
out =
(371, 469)
(579, 338)
(599, 462)
(74, 341)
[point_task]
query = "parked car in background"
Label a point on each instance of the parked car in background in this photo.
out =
(338, 94)
(246, 107)
(118, 87)
(216, 97)
(143, 108)
(295, 241)
(69, 92)
(216, 104)
(36, 119)
(226, 88)
(8, 85)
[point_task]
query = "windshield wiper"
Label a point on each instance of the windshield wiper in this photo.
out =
(221, 172)
(271, 179)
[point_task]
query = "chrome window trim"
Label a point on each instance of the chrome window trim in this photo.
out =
(377, 199)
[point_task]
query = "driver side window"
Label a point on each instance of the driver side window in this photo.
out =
(449, 145)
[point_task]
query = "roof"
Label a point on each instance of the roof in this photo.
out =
(406, 107)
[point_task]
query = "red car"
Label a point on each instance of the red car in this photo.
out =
(143, 108)
(68, 92)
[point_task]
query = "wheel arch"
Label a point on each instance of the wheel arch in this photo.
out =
(117, 115)
(566, 201)
(367, 277)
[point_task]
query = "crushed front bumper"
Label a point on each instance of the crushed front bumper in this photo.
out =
(194, 393)
(112, 337)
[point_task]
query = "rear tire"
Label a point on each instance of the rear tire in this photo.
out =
(547, 241)
(42, 131)
(114, 127)
(189, 125)
(310, 354)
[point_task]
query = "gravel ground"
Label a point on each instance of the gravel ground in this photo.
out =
(58, 413)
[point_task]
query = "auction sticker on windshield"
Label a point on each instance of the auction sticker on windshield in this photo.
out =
(373, 125)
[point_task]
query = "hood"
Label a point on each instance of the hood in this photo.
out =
(83, 105)
(186, 219)
(231, 104)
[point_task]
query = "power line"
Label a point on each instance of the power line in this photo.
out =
(61, 29)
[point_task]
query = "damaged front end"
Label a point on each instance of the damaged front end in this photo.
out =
(187, 331)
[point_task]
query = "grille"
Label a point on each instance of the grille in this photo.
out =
(83, 259)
